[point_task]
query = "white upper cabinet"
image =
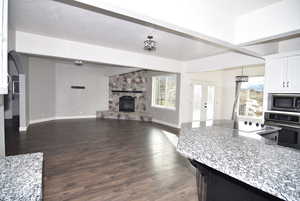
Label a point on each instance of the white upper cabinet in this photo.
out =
(276, 74)
(283, 74)
(3, 46)
(293, 74)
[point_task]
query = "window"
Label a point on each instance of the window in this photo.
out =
(251, 98)
(164, 91)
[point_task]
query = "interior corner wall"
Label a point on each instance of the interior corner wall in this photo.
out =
(50, 93)
(161, 115)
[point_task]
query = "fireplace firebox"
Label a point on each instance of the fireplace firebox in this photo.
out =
(126, 104)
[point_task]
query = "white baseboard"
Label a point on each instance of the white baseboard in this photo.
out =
(165, 123)
(76, 117)
(41, 120)
(22, 129)
(61, 118)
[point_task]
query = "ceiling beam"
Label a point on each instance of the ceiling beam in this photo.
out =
(34, 44)
(103, 8)
(274, 38)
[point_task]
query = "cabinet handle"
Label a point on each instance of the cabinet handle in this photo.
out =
(287, 84)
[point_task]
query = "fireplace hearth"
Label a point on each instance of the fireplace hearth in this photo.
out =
(126, 104)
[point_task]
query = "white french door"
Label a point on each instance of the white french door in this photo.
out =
(203, 101)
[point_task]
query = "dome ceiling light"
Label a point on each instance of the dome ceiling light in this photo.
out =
(149, 44)
(78, 62)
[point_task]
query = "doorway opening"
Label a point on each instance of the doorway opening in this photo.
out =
(203, 102)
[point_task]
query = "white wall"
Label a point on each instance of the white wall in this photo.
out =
(50, 93)
(54, 47)
(276, 19)
(23, 123)
(224, 81)
(161, 115)
(2, 134)
(41, 88)
(24, 120)
(221, 61)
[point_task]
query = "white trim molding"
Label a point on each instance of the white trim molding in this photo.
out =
(76, 117)
(61, 118)
(165, 123)
(22, 129)
(41, 120)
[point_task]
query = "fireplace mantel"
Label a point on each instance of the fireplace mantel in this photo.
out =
(127, 91)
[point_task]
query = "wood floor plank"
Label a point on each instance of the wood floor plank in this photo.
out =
(106, 160)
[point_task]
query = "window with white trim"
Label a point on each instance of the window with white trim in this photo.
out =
(164, 91)
(251, 98)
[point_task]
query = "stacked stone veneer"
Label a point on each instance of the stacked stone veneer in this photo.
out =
(134, 81)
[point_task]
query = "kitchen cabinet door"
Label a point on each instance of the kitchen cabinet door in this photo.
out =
(3, 46)
(293, 74)
(276, 74)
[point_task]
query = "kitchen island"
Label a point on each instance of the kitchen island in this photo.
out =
(249, 166)
(21, 177)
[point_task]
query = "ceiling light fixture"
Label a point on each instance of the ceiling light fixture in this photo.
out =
(149, 44)
(78, 62)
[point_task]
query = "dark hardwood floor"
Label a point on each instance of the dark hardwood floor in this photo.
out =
(106, 160)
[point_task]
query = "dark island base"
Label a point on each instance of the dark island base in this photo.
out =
(215, 186)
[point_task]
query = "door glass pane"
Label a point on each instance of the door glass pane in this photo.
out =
(210, 102)
(197, 102)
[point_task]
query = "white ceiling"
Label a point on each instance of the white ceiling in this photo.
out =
(239, 7)
(231, 7)
(56, 19)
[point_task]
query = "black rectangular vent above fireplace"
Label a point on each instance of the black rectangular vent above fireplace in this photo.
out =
(126, 104)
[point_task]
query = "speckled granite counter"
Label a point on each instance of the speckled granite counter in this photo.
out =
(243, 156)
(21, 177)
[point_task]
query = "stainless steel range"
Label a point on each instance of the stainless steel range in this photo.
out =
(289, 135)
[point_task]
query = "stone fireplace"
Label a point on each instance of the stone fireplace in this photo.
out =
(126, 104)
(127, 97)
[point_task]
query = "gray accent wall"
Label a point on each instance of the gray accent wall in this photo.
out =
(51, 95)
(80, 102)
(163, 115)
(42, 88)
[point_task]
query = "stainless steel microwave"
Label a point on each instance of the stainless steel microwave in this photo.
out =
(285, 102)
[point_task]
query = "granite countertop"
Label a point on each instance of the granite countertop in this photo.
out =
(244, 156)
(21, 177)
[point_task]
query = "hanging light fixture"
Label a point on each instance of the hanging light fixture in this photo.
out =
(149, 44)
(242, 78)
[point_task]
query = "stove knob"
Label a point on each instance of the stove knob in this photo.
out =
(250, 123)
(245, 122)
(257, 124)
(262, 125)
